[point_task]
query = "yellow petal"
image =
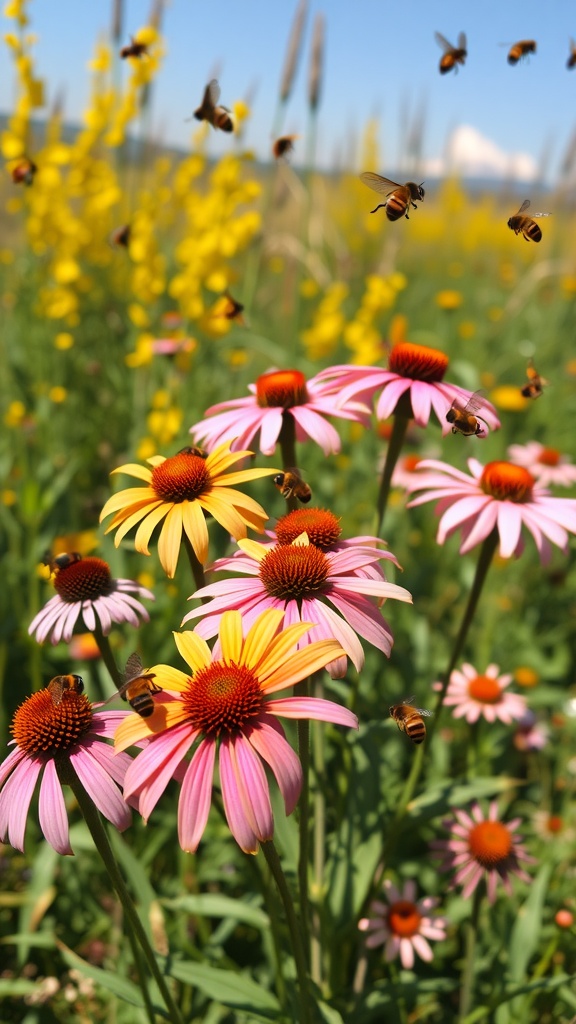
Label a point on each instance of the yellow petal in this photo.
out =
(170, 540)
(134, 469)
(135, 728)
(123, 499)
(223, 514)
(280, 647)
(231, 479)
(146, 529)
(193, 649)
(170, 678)
(260, 636)
(134, 518)
(196, 530)
(219, 459)
(303, 663)
(230, 633)
(253, 549)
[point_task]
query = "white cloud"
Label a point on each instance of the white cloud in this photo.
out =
(471, 154)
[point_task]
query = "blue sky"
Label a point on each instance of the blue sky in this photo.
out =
(380, 59)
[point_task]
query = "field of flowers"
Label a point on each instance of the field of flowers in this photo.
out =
(260, 841)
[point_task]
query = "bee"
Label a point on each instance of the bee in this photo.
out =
(453, 55)
(535, 384)
(193, 450)
(409, 719)
(291, 483)
(24, 171)
(521, 49)
(138, 687)
(57, 563)
(526, 225)
(231, 309)
(60, 685)
(282, 146)
(121, 236)
(571, 62)
(217, 116)
(135, 49)
(400, 197)
(463, 418)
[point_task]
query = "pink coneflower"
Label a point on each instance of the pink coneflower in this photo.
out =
(498, 496)
(547, 465)
(57, 732)
(276, 395)
(530, 734)
(307, 585)
(473, 695)
(222, 706)
(403, 924)
(86, 591)
(413, 385)
(172, 346)
(482, 847)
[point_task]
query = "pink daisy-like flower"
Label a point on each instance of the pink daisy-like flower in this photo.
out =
(57, 732)
(530, 734)
(222, 707)
(498, 496)
(473, 696)
(404, 924)
(482, 847)
(86, 591)
(276, 395)
(308, 585)
(547, 465)
(413, 384)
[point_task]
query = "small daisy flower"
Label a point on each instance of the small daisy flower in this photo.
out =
(551, 827)
(182, 490)
(482, 847)
(547, 465)
(275, 395)
(403, 924)
(530, 734)
(86, 592)
(58, 734)
(473, 695)
(498, 496)
(222, 708)
(413, 384)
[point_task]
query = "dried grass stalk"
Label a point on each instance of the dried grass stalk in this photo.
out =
(294, 50)
(317, 61)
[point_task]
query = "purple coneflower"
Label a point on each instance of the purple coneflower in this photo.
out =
(547, 465)
(473, 695)
(404, 924)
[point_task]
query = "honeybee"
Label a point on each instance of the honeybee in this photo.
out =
(535, 385)
(521, 49)
(138, 687)
(193, 450)
(60, 685)
(409, 719)
(400, 197)
(24, 171)
(231, 309)
(291, 483)
(571, 62)
(526, 225)
(121, 236)
(217, 116)
(464, 419)
(63, 561)
(135, 49)
(453, 55)
(282, 146)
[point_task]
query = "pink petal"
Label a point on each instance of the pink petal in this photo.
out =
(312, 707)
(52, 811)
(270, 430)
(268, 740)
(318, 429)
(390, 397)
(253, 787)
(100, 788)
(233, 808)
(15, 800)
(150, 772)
(421, 397)
(509, 527)
(196, 796)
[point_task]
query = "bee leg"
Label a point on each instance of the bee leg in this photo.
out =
(406, 215)
(382, 206)
(414, 205)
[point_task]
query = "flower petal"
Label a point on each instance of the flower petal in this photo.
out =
(52, 811)
(196, 796)
(233, 807)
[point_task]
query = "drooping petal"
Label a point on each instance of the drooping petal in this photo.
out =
(268, 740)
(196, 796)
(252, 787)
(15, 798)
(170, 540)
(150, 772)
(233, 807)
(100, 788)
(52, 811)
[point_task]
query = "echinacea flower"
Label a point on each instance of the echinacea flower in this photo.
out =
(86, 591)
(413, 384)
(308, 585)
(182, 490)
(482, 847)
(276, 395)
(498, 496)
(473, 695)
(222, 707)
(547, 465)
(59, 734)
(403, 924)
(530, 734)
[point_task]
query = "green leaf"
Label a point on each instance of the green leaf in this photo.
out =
(528, 926)
(214, 905)
(30, 940)
(120, 987)
(228, 987)
(441, 798)
(16, 988)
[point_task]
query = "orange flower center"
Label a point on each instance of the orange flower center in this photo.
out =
(507, 482)
(549, 457)
(411, 462)
(183, 477)
(222, 697)
(485, 690)
(281, 389)
(554, 824)
(418, 362)
(490, 843)
(84, 580)
(49, 723)
(403, 919)
(322, 527)
(291, 572)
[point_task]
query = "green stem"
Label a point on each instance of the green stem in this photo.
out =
(287, 442)
(467, 983)
(393, 451)
(102, 844)
(195, 565)
(316, 946)
(301, 690)
(107, 656)
(298, 950)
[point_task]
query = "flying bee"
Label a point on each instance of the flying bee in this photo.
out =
(535, 384)
(121, 236)
(135, 49)
(137, 687)
(526, 225)
(291, 483)
(409, 719)
(521, 49)
(209, 110)
(282, 146)
(193, 450)
(60, 685)
(453, 55)
(571, 62)
(24, 171)
(57, 563)
(230, 309)
(464, 419)
(400, 197)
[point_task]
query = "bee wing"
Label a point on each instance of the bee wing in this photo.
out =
(524, 206)
(211, 93)
(377, 183)
(133, 667)
(462, 41)
(476, 402)
(425, 712)
(541, 215)
(443, 42)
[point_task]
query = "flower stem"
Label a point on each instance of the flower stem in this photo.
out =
(298, 950)
(287, 442)
(107, 656)
(394, 448)
(196, 567)
(301, 690)
(319, 844)
(467, 983)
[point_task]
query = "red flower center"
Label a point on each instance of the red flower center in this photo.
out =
(291, 572)
(418, 362)
(507, 482)
(485, 690)
(223, 697)
(403, 919)
(322, 527)
(183, 477)
(84, 580)
(549, 457)
(490, 843)
(49, 722)
(281, 389)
